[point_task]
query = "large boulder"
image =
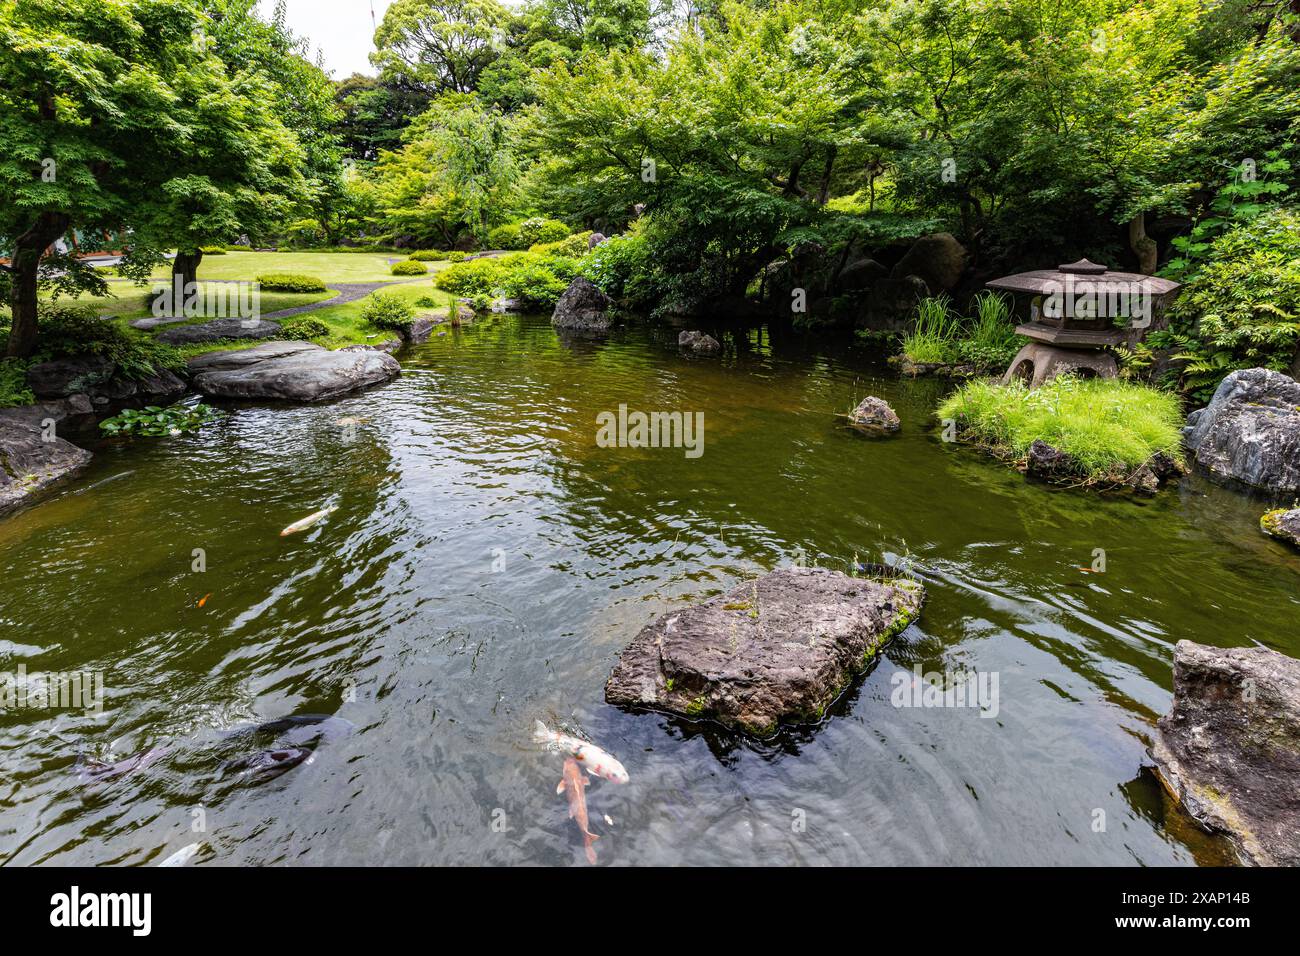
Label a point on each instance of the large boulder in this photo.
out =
(700, 342)
(98, 379)
(780, 648)
(938, 259)
(291, 371)
(861, 274)
(32, 461)
(1283, 524)
(582, 308)
(220, 329)
(1229, 748)
(890, 304)
(1250, 431)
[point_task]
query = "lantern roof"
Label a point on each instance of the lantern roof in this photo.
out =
(1075, 274)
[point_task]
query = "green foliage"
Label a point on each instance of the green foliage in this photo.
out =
(426, 302)
(303, 328)
(291, 282)
(409, 267)
(933, 337)
(13, 383)
(1243, 308)
(1107, 426)
(505, 237)
(939, 335)
(574, 247)
(456, 256)
(468, 278)
(429, 255)
(535, 231)
(69, 330)
(621, 266)
(387, 312)
(537, 279)
(213, 250)
(155, 421)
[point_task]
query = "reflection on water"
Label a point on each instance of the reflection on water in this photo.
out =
(487, 562)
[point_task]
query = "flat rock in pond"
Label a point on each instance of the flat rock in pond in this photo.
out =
(220, 329)
(1250, 431)
(699, 342)
(1283, 525)
(30, 465)
(291, 371)
(1229, 748)
(780, 648)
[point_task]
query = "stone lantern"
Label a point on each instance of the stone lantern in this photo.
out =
(1072, 319)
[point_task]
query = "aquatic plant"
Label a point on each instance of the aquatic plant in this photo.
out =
(1104, 425)
(933, 337)
(153, 420)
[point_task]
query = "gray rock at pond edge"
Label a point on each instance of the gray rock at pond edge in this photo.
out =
(582, 308)
(780, 648)
(699, 342)
(30, 465)
(418, 330)
(1283, 525)
(98, 379)
(1250, 431)
(875, 417)
(595, 239)
(1229, 748)
(291, 371)
(219, 329)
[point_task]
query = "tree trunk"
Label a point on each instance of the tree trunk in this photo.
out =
(1143, 246)
(186, 265)
(28, 249)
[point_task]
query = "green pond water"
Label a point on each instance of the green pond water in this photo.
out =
(487, 563)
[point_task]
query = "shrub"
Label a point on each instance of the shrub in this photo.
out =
(505, 237)
(1106, 425)
(575, 247)
(456, 256)
(426, 302)
(71, 330)
(13, 383)
(620, 266)
(239, 247)
(468, 278)
(428, 255)
(409, 268)
(536, 280)
(534, 231)
(291, 282)
(387, 312)
(213, 250)
(303, 328)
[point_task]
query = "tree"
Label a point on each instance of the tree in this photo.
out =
(438, 45)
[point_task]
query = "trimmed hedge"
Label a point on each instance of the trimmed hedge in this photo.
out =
(428, 255)
(303, 328)
(291, 282)
(410, 267)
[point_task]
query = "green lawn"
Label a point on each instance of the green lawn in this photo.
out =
(327, 266)
(131, 301)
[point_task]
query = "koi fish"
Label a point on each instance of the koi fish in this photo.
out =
(204, 600)
(183, 855)
(596, 761)
(575, 785)
(308, 521)
(90, 770)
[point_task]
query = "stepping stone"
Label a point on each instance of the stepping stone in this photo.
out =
(219, 329)
(290, 371)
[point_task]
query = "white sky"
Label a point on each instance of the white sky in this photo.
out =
(341, 28)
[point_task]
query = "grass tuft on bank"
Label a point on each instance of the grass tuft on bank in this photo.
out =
(1106, 425)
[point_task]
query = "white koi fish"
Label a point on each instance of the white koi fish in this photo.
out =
(183, 855)
(590, 757)
(308, 521)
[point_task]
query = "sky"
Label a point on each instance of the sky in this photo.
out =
(342, 29)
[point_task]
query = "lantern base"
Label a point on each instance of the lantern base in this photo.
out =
(1038, 363)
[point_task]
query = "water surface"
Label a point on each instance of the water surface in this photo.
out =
(487, 563)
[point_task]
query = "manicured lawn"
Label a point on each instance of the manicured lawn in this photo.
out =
(133, 304)
(328, 266)
(348, 328)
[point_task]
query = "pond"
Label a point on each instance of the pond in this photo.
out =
(488, 560)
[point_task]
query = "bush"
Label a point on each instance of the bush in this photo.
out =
(428, 255)
(620, 266)
(239, 247)
(70, 330)
(426, 302)
(468, 278)
(303, 328)
(536, 279)
(1107, 426)
(213, 250)
(13, 383)
(534, 231)
(387, 312)
(505, 237)
(291, 282)
(409, 268)
(457, 256)
(575, 247)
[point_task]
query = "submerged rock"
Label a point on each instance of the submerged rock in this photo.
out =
(1229, 748)
(582, 308)
(30, 464)
(1283, 525)
(699, 342)
(1250, 431)
(219, 329)
(780, 648)
(875, 417)
(291, 371)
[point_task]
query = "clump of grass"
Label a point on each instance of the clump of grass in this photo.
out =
(1107, 426)
(934, 333)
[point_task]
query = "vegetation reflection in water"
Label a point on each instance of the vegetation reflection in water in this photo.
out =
(487, 561)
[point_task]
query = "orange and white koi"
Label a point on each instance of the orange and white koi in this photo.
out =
(575, 785)
(591, 758)
(308, 521)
